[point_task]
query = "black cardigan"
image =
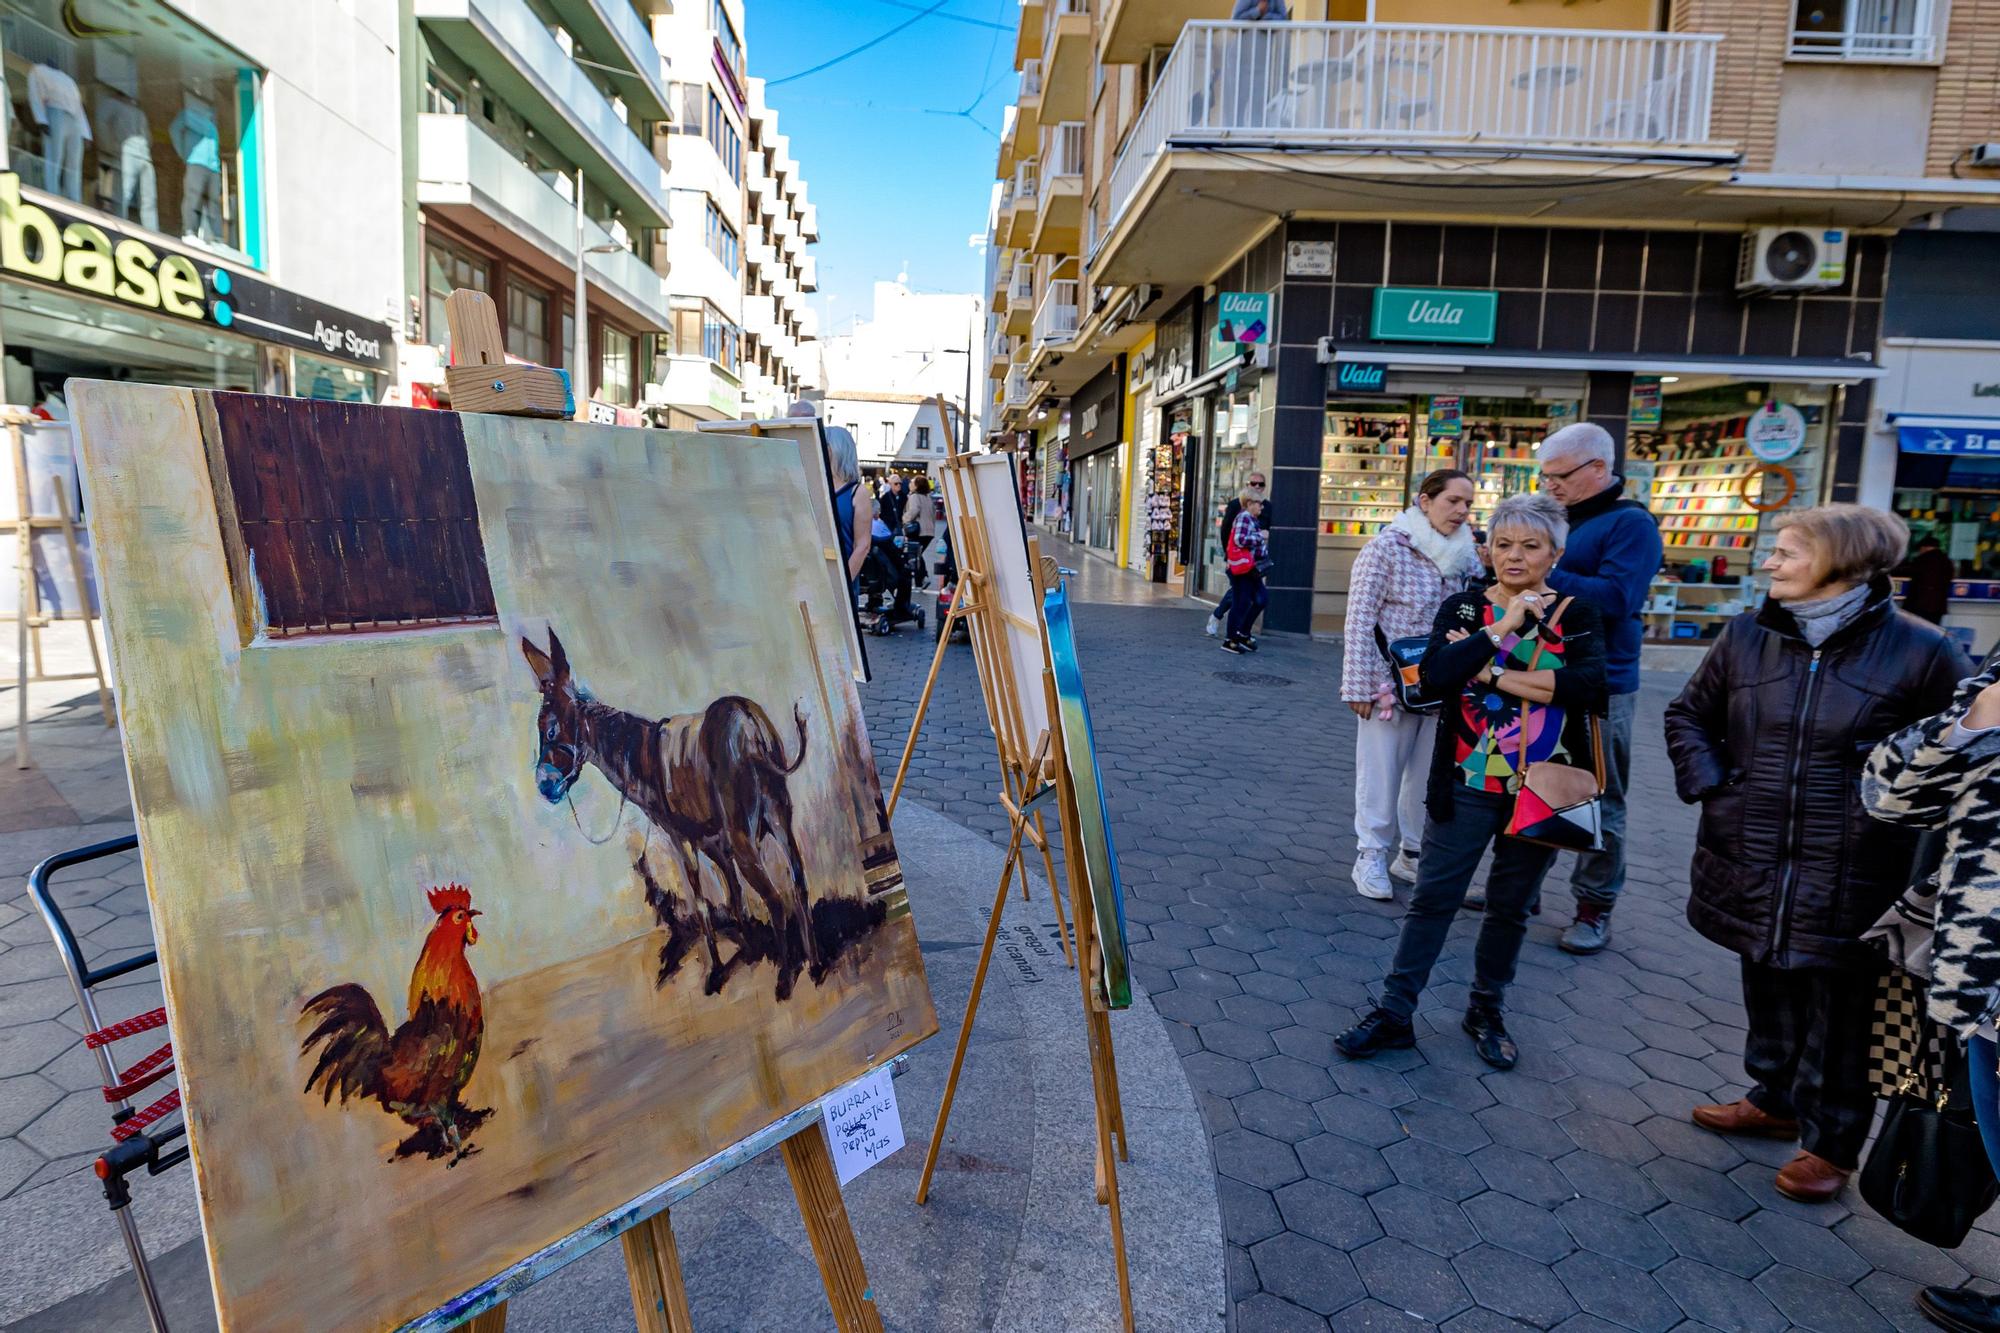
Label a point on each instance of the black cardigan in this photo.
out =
(1448, 667)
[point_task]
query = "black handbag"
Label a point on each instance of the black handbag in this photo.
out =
(1928, 1173)
(1405, 658)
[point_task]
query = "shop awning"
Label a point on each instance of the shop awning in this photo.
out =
(1976, 437)
(1791, 370)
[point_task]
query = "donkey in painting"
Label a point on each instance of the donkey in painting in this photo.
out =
(715, 782)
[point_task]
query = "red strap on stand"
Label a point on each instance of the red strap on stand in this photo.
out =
(143, 1075)
(166, 1106)
(131, 1027)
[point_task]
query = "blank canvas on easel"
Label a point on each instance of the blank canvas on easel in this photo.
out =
(497, 782)
(984, 490)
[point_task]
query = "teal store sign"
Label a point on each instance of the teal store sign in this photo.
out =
(1243, 318)
(1433, 315)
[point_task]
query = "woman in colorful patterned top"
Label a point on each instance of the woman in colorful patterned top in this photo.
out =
(1491, 652)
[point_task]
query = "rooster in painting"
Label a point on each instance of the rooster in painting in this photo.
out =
(418, 1071)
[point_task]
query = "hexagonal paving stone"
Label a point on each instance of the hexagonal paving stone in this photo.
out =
(1434, 1122)
(79, 1122)
(1412, 1280)
(1426, 1220)
(1807, 1245)
(1719, 1299)
(25, 1097)
(1219, 1074)
(1328, 1214)
(1236, 1040)
(1341, 1161)
(1522, 1175)
(1887, 1248)
(1371, 1081)
(1691, 1143)
(1256, 1159)
(1248, 1213)
(1276, 1115)
(1610, 1182)
(1611, 1290)
(1293, 1077)
(1501, 1282)
(1265, 1311)
(1607, 1099)
(1461, 1092)
(1818, 1303)
(1363, 1121)
(32, 1001)
(1429, 1167)
(1477, 1320)
(28, 1047)
(1524, 1228)
(1306, 1273)
(1523, 1130)
(1615, 1233)
(1608, 1138)
(17, 1163)
(1699, 1187)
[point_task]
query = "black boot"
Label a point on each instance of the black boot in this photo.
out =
(1960, 1311)
(1489, 1035)
(1380, 1031)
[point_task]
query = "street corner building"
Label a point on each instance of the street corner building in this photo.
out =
(492, 887)
(1349, 248)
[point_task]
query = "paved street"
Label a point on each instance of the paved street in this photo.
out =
(1571, 1192)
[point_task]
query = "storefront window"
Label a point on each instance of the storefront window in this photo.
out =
(1726, 460)
(446, 268)
(314, 377)
(1232, 457)
(528, 323)
(614, 373)
(143, 123)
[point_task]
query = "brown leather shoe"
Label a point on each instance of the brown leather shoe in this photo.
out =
(1744, 1117)
(1810, 1178)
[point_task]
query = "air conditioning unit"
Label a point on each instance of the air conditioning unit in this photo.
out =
(1792, 259)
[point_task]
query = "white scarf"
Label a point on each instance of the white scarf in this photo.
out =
(1455, 556)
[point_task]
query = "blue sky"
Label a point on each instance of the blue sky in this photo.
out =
(901, 181)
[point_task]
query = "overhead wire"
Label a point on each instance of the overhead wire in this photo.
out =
(854, 51)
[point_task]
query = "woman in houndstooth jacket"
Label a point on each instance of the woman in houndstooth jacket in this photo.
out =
(1399, 581)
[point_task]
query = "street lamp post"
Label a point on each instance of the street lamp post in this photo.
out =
(580, 348)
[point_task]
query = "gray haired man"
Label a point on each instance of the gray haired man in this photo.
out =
(1613, 553)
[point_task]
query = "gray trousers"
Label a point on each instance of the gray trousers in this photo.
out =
(1452, 851)
(1599, 877)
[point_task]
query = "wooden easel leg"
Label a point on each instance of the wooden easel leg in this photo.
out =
(971, 1009)
(923, 706)
(653, 1267)
(1041, 837)
(488, 1321)
(1100, 1022)
(83, 601)
(810, 1163)
(21, 759)
(1103, 1083)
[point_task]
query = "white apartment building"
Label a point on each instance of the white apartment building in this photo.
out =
(248, 175)
(739, 328)
(513, 107)
(884, 371)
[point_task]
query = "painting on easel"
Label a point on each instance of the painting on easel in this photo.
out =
(497, 788)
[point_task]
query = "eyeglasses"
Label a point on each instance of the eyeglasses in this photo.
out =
(1548, 476)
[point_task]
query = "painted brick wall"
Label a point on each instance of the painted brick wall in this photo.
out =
(1749, 68)
(1967, 108)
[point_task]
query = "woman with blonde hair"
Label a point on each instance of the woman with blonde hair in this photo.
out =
(1769, 737)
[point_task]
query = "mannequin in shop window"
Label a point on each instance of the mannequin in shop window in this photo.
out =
(196, 140)
(121, 125)
(57, 106)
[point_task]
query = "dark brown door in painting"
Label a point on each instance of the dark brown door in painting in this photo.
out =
(347, 518)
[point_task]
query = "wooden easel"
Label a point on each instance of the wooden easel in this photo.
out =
(29, 619)
(975, 605)
(1033, 773)
(652, 1259)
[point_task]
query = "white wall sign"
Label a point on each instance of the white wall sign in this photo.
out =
(1776, 432)
(1309, 259)
(862, 1123)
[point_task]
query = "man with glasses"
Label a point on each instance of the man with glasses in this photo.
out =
(1612, 554)
(1215, 618)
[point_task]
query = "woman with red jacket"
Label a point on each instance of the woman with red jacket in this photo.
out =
(1247, 553)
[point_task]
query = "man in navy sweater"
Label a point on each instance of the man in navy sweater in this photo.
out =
(1612, 555)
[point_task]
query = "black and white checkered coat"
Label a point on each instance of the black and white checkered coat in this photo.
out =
(1916, 780)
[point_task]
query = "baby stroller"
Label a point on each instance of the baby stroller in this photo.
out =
(888, 578)
(947, 572)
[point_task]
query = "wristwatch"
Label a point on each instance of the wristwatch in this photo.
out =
(1498, 640)
(1498, 671)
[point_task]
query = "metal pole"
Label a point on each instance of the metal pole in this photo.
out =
(579, 373)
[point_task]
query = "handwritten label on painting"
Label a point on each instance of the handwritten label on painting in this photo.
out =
(863, 1124)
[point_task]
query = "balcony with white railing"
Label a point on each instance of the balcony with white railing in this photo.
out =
(1019, 394)
(1239, 100)
(1020, 311)
(1055, 317)
(1059, 206)
(1066, 59)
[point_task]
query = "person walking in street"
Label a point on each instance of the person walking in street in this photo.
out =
(1943, 775)
(1494, 655)
(1928, 594)
(1255, 486)
(892, 501)
(1248, 551)
(1789, 871)
(1400, 578)
(1613, 553)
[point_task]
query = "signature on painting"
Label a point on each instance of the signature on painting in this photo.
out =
(717, 783)
(418, 1071)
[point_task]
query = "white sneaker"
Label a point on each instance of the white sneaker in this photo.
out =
(1211, 626)
(1371, 877)
(1404, 867)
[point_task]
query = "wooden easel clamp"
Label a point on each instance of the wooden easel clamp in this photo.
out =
(652, 1259)
(482, 379)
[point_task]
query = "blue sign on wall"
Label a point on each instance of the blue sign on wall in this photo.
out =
(1976, 441)
(1360, 376)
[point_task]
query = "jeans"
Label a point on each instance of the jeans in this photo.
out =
(136, 178)
(1807, 1053)
(1600, 876)
(201, 203)
(1986, 1094)
(1452, 851)
(62, 155)
(1247, 597)
(1391, 770)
